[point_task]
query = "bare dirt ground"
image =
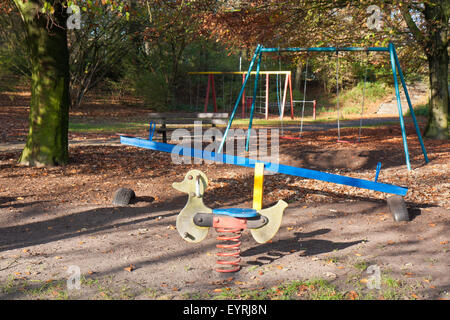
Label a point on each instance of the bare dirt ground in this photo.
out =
(54, 218)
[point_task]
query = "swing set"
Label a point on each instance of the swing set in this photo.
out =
(395, 64)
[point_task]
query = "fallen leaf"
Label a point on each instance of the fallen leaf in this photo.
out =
(444, 242)
(409, 274)
(432, 225)
(130, 268)
(58, 257)
(217, 290)
(415, 296)
(352, 295)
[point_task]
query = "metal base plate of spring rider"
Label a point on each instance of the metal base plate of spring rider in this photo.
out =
(194, 221)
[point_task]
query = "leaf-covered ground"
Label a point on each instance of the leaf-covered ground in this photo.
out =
(53, 218)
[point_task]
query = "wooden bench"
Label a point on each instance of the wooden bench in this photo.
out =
(165, 119)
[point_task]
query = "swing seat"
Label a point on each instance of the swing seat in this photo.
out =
(290, 138)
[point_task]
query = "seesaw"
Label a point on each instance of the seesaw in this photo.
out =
(396, 202)
(195, 219)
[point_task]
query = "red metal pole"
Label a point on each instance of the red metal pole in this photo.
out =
(207, 94)
(283, 103)
(249, 102)
(290, 94)
(213, 93)
(267, 96)
(314, 109)
(243, 97)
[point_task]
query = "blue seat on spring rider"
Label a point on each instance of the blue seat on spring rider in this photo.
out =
(237, 212)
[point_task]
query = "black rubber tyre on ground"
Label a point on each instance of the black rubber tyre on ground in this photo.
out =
(123, 197)
(398, 208)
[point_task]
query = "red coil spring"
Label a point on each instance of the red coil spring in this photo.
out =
(231, 249)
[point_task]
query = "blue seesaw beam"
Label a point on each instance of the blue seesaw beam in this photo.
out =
(273, 167)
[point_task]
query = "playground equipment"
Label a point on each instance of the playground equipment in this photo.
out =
(263, 98)
(398, 207)
(195, 219)
(395, 64)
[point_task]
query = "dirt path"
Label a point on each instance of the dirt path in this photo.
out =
(331, 235)
(336, 242)
(55, 218)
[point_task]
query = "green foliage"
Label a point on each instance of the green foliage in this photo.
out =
(372, 92)
(153, 88)
(14, 62)
(421, 110)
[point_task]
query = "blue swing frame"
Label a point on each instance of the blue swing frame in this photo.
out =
(395, 64)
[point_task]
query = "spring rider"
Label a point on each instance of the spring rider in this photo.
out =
(194, 221)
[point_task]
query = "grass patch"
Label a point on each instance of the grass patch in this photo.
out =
(420, 111)
(361, 265)
(53, 289)
(293, 290)
(373, 92)
(106, 127)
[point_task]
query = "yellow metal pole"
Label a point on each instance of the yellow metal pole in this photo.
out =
(258, 187)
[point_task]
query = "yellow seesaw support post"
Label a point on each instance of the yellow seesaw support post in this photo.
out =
(258, 186)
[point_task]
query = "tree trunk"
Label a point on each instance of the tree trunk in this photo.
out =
(437, 55)
(437, 126)
(47, 141)
(298, 76)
